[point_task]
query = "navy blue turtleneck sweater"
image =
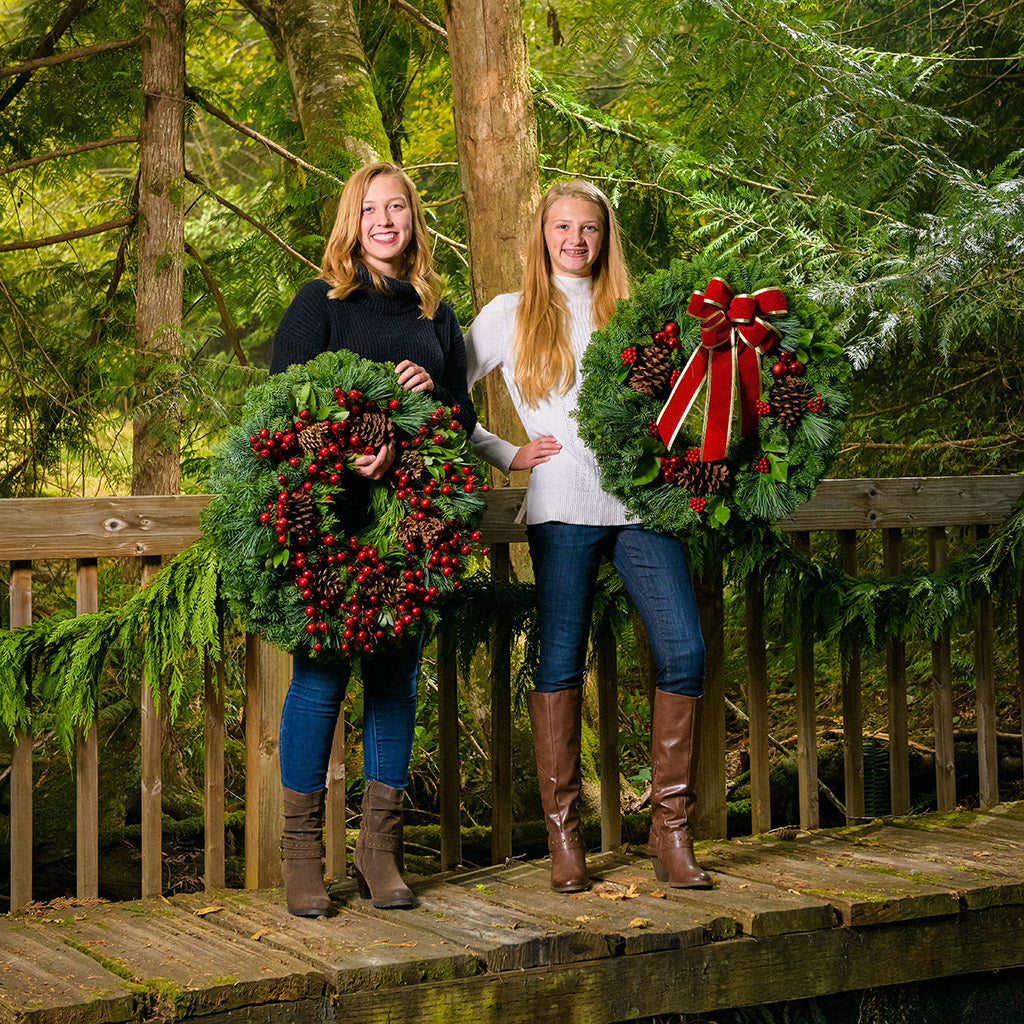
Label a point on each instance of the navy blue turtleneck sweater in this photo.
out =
(384, 327)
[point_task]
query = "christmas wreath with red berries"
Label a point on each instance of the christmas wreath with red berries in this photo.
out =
(316, 557)
(714, 396)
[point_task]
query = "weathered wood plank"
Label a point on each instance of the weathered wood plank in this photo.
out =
(21, 757)
(757, 705)
(43, 980)
(710, 771)
(214, 733)
(621, 917)
(501, 718)
(608, 740)
(505, 940)
(736, 972)
(985, 695)
(448, 761)
(150, 742)
(942, 691)
(853, 716)
(755, 909)
(860, 895)
(896, 677)
(504, 505)
(872, 504)
(87, 788)
(352, 951)
(806, 714)
(100, 527)
(186, 966)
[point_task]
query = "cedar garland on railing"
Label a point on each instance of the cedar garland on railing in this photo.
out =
(176, 617)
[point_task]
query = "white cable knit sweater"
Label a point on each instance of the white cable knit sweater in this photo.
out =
(567, 488)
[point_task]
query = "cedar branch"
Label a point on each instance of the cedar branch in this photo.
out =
(230, 330)
(39, 243)
(115, 140)
(62, 58)
(418, 16)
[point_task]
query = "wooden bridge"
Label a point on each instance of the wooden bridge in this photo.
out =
(789, 918)
(812, 913)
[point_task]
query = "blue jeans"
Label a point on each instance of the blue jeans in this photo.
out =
(653, 568)
(313, 703)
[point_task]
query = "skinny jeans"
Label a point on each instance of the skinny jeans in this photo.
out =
(313, 703)
(653, 569)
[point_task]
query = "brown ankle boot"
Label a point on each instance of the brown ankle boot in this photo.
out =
(302, 850)
(555, 718)
(673, 764)
(378, 855)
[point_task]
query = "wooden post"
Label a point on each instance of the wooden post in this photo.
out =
(985, 690)
(896, 673)
(21, 757)
(501, 719)
(711, 809)
(853, 718)
(214, 733)
(152, 775)
(87, 786)
(608, 739)
(1020, 665)
(336, 852)
(942, 691)
(449, 762)
(757, 706)
(806, 714)
(267, 672)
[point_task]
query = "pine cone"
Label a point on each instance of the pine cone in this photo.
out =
(651, 371)
(409, 463)
(373, 427)
(388, 586)
(300, 513)
(313, 438)
(327, 583)
(704, 477)
(787, 399)
(428, 530)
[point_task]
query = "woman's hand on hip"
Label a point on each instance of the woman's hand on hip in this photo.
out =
(534, 452)
(374, 466)
(413, 377)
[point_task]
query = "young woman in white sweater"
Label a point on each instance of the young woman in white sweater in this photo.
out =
(573, 273)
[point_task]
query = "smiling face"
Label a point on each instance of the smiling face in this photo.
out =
(573, 234)
(385, 227)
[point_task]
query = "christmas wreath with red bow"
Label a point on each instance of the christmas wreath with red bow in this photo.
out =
(715, 395)
(317, 558)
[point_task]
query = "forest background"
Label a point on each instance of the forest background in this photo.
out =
(868, 151)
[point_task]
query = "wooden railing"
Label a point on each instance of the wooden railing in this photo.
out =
(153, 527)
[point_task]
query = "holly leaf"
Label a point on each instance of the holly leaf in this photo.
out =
(647, 469)
(651, 444)
(281, 558)
(780, 468)
(623, 374)
(721, 514)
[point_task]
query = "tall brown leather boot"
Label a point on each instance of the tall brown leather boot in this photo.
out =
(555, 718)
(378, 858)
(302, 850)
(673, 764)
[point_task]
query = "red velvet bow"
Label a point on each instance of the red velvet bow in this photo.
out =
(733, 337)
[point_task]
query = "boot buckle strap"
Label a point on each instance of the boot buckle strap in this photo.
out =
(381, 841)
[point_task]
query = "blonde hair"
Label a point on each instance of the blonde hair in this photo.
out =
(343, 251)
(543, 352)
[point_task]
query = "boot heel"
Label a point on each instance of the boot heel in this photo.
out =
(364, 889)
(659, 870)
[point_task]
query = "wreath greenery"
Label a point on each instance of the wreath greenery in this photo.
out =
(631, 367)
(317, 558)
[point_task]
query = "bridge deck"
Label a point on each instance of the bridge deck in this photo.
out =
(789, 918)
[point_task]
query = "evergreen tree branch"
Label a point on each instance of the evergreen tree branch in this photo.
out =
(262, 228)
(96, 229)
(115, 278)
(116, 140)
(266, 19)
(251, 133)
(62, 58)
(418, 16)
(230, 330)
(45, 47)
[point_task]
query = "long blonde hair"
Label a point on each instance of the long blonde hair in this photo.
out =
(344, 251)
(543, 353)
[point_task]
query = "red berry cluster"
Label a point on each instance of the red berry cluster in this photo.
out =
(670, 467)
(761, 465)
(668, 335)
(693, 455)
(698, 504)
(788, 365)
(629, 355)
(673, 377)
(816, 404)
(652, 428)
(762, 407)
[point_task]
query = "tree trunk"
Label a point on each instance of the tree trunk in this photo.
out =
(157, 425)
(497, 144)
(337, 107)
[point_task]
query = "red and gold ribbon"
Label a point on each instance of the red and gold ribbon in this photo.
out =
(734, 334)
